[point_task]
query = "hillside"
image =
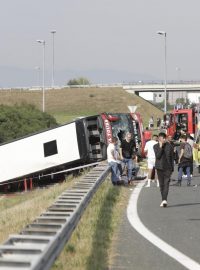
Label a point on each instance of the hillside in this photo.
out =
(68, 103)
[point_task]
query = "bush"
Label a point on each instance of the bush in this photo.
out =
(20, 120)
(79, 81)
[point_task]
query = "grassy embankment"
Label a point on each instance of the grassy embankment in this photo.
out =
(90, 244)
(66, 104)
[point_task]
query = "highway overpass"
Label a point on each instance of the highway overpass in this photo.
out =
(174, 91)
(171, 87)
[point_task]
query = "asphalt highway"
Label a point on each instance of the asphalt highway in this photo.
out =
(151, 237)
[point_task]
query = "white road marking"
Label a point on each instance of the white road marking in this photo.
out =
(135, 221)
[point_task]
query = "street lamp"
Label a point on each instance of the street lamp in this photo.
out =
(52, 82)
(43, 76)
(163, 33)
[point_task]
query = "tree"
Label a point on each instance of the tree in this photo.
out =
(20, 120)
(184, 101)
(160, 105)
(78, 81)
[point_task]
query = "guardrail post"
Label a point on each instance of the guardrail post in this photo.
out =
(31, 183)
(25, 184)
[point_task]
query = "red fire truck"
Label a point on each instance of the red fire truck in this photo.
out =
(182, 119)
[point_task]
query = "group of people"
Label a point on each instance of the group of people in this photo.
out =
(120, 156)
(162, 154)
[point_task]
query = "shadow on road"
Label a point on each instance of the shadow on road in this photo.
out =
(183, 204)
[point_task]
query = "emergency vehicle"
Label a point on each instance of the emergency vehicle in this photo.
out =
(185, 119)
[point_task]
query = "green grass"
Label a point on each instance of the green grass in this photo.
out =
(64, 118)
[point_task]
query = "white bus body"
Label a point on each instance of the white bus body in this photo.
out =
(39, 152)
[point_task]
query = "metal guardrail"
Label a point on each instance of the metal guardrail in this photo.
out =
(37, 246)
(100, 85)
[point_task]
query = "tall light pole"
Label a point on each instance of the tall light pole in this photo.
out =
(163, 33)
(43, 74)
(53, 62)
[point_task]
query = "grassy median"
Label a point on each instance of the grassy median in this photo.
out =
(90, 244)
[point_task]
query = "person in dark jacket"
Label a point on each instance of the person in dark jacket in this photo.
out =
(164, 165)
(184, 163)
(127, 153)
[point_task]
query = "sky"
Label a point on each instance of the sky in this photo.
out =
(107, 41)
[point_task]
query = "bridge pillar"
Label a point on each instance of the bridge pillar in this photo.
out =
(31, 183)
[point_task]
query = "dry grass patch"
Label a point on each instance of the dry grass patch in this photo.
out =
(21, 209)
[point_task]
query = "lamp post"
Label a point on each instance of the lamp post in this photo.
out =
(163, 33)
(52, 81)
(43, 74)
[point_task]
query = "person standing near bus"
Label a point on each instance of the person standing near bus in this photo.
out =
(147, 134)
(164, 165)
(114, 161)
(127, 153)
(151, 123)
(158, 122)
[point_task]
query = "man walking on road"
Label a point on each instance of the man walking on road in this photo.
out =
(164, 165)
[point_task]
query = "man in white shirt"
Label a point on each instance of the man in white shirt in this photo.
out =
(114, 160)
(150, 154)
